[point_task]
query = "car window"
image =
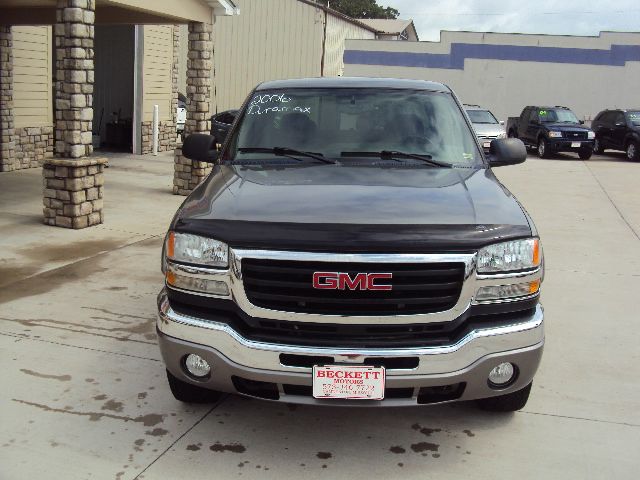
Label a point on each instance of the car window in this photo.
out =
(559, 115)
(481, 116)
(619, 118)
(634, 118)
(533, 115)
(330, 121)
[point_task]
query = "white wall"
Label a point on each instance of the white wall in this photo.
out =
(506, 86)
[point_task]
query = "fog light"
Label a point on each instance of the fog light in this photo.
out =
(502, 374)
(213, 287)
(197, 366)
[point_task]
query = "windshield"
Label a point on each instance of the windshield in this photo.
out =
(559, 115)
(481, 116)
(341, 123)
(634, 118)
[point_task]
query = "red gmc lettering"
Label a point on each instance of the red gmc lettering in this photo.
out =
(343, 281)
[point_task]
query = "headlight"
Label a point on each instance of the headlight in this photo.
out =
(188, 248)
(510, 256)
(554, 134)
(591, 135)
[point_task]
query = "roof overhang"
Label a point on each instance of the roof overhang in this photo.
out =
(43, 12)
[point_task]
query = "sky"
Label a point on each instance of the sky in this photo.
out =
(569, 17)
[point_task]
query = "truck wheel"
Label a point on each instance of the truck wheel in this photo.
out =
(543, 148)
(187, 393)
(633, 151)
(585, 153)
(597, 147)
(506, 403)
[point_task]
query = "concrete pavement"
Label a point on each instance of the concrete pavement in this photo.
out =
(84, 395)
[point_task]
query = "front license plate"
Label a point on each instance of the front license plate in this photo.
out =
(575, 144)
(352, 382)
(486, 145)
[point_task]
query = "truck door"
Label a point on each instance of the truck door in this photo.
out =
(533, 125)
(618, 130)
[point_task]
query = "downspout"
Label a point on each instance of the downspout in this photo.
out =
(324, 41)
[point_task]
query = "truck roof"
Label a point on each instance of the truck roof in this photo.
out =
(354, 82)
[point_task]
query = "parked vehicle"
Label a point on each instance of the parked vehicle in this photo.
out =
(551, 130)
(221, 124)
(181, 115)
(618, 130)
(352, 246)
(485, 124)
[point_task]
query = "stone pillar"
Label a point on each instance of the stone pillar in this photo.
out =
(7, 131)
(73, 182)
(74, 77)
(188, 174)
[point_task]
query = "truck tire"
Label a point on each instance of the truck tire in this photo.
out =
(543, 148)
(585, 153)
(633, 151)
(506, 403)
(187, 393)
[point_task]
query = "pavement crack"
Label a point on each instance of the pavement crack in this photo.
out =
(25, 337)
(624, 219)
(180, 437)
(568, 417)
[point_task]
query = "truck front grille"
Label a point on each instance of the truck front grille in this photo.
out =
(575, 135)
(287, 285)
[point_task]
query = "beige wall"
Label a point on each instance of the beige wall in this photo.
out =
(339, 30)
(506, 87)
(270, 39)
(156, 76)
(32, 74)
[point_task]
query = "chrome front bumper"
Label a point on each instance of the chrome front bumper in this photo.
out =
(469, 360)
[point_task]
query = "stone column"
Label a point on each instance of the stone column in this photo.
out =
(7, 130)
(188, 174)
(73, 182)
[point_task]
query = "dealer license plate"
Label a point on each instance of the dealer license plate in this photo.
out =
(575, 144)
(486, 145)
(347, 381)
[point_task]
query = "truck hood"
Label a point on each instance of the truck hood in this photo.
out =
(489, 129)
(329, 207)
(566, 127)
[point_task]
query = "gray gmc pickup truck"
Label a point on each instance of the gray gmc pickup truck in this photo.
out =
(352, 246)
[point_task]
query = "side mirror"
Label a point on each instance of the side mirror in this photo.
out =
(200, 147)
(581, 122)
(501, 122)
(507, 151)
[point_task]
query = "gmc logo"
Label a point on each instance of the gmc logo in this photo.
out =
(343, 281)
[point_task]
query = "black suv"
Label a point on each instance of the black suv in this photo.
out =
(618, 130)
(551, 130)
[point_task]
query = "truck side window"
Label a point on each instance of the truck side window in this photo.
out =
(533, 116)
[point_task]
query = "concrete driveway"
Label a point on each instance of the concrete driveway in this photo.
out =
(83, 393)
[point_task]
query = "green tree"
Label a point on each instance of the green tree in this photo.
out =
(361, 8)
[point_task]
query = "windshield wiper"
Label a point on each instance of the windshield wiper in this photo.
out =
(286, 152)
(394, 154)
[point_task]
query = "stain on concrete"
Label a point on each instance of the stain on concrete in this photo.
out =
(400, 464)
(50, 280)
(157, 432)
(469, 433)
(324, 455)
(232, 447)
(193, 448)
(116, 289)
(61, 378)
(43, 253)
(102, 396)
(148, 420)
(142, 395)
(424, 447)
(119, 475)
(425, 430)
(113, 406)
(436, 455)
(397, 449)
(139, 442)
